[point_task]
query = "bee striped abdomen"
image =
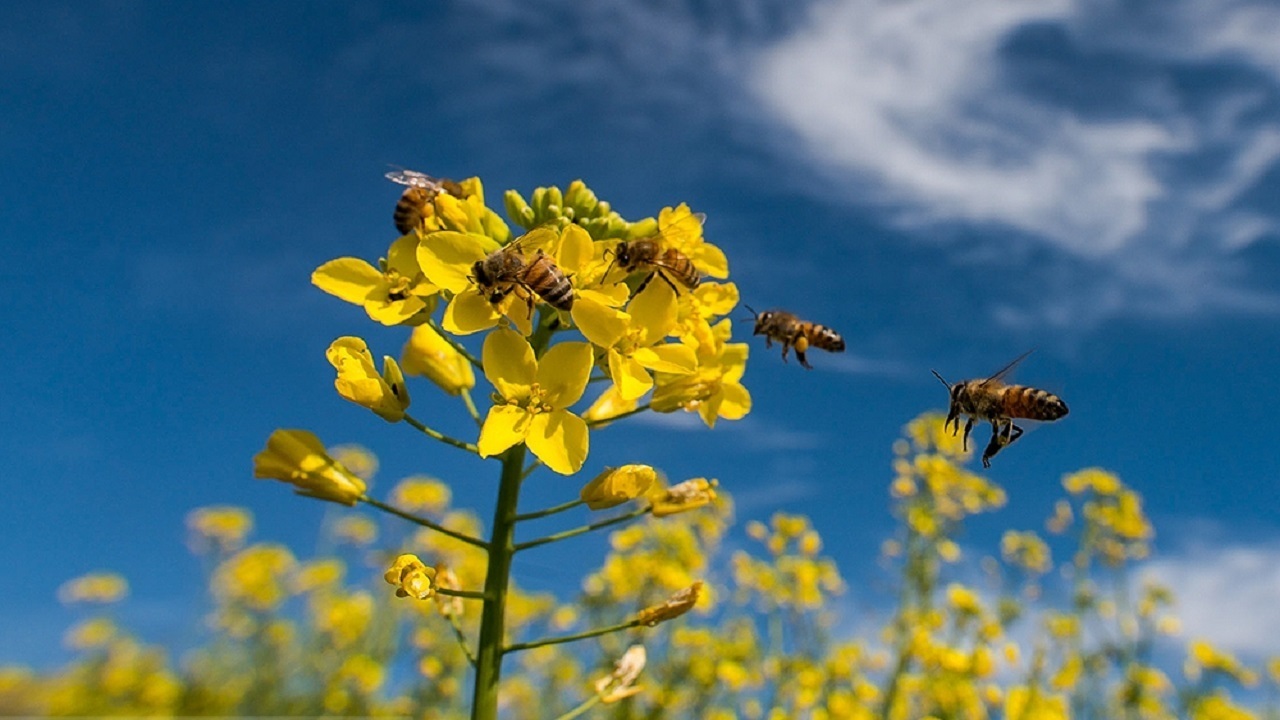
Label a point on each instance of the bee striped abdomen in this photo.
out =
(1021, 401)
(547, 280)
(411, 208)
(827, 339)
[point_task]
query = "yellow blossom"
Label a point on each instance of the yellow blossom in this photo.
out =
(1095, 479)
(536, 395)
(609, 405)
(412, 577)
(222, 526)
(394, 293)
(359, 381)
(359, 459)
(430, 355)
(715, 390)
(675, 606)
(355, 530)
(420, 493)
(298, 457)
(688, 495)
(97, 587)
(615, 486)
(634, 346)
(90, 634)
(1026, 550)
(257, 577)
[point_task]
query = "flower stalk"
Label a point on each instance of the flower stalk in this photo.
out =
(462, 537)
(437, 435)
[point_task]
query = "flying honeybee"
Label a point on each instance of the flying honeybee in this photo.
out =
(791, 331)
(507, 268)
(411, 210)
(999, 404)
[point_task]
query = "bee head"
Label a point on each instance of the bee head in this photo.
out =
(760, 319)
(622, 253)
(478, 275)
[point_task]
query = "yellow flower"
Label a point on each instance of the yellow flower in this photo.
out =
(1026, 550)
(413, 578)
(356, 530)
(715, 390)
(225, 527)
(357, 458)
(1095, 479)
(95, 633)
(421, 494)
(639, 348)
(621, 683)
(615, 486)
(675, 606)
(393, 294)
(257, 576)
(688, 495)
(97, 587)
(681, 229)
(1205, 656)
(298, 457)
(430, 355)
(536, 396)
(359, 381)
(610, 404)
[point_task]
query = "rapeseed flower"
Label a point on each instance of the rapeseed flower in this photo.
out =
(535, 396)
(258, 577)
(420, 493)
(715, 389)
(675, 606)
(360, 382)
(299, 458)
(615, 486)
(640, 347)
(96, 587)
(412, 577)
(394, 293)
(430, 355)
(688, 495)
(221, 526)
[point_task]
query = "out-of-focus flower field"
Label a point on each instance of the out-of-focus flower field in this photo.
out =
(324, 635)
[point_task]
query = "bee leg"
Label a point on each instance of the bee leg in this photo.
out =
(785, 347)
(645, 283)
(667, 280)
(800, 356)
(967, 428)
(994, 446)
(1014, 432)
(801, 344)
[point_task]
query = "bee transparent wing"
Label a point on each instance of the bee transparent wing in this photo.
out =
(682, 227)
(414, 179)
(1002, 372)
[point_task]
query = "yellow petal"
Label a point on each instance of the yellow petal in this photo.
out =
(351, 279)
(394, 312)
(559, 439)
(446, 257)
(680, 227)
(629, 376)
(575, 250)
(563, 373)
(469, 312)
(609, 404)
(710, 260)
(599, 323)
(716, 298)
(509, 363)
(737, 401)
(615, 486)
(429, 354)
(504, 426)
(402, 256)
(734, 360)
(516, 308)
(654, 311)
(669, 357)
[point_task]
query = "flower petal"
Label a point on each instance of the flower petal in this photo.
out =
(509, 363)
(446, 257)
(654, 311)
(504, 426)
(680, 227)
(669, 357)
(351, 279)
(402, 256)
(710, 260)
(563, 372)
(599, 323)
(469, 312)
(737, 401)
(559, 439)
(575, 250)
(629, 376)
(394, 312)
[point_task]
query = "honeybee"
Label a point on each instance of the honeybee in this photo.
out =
(668, 263)
(791, 331)
(422, 189)
(507, 268)
(999, 404)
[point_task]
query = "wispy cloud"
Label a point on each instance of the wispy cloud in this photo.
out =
(1064, 120)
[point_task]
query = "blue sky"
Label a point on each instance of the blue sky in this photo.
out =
(946, 184)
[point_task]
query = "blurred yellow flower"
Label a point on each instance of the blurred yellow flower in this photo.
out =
(428, 354)
(675, 606)
(615, 486)
(421, 493)
(222, 526)
(97, 587)
(537, 395)
(1096, 479)
(259, 577)
(1203, 656)
(394, 293)
(94, 633)
(298, 457)
(1027, 551)
(356, 530)
(359, 381)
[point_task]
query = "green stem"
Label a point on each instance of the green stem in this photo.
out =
(456, 345)
(585, 706)
(550, 511)
(619, 416)
(436, 434)
(501, 550)
(425, 523)
(468, 594)
(584, 529)
(462, 639)
(571, 638)
(529, 470)
(471, 406)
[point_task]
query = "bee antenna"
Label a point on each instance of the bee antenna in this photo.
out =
(751, 310)
(945, 384)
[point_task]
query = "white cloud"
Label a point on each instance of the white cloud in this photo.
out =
(920, 107)
(1226, 594)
